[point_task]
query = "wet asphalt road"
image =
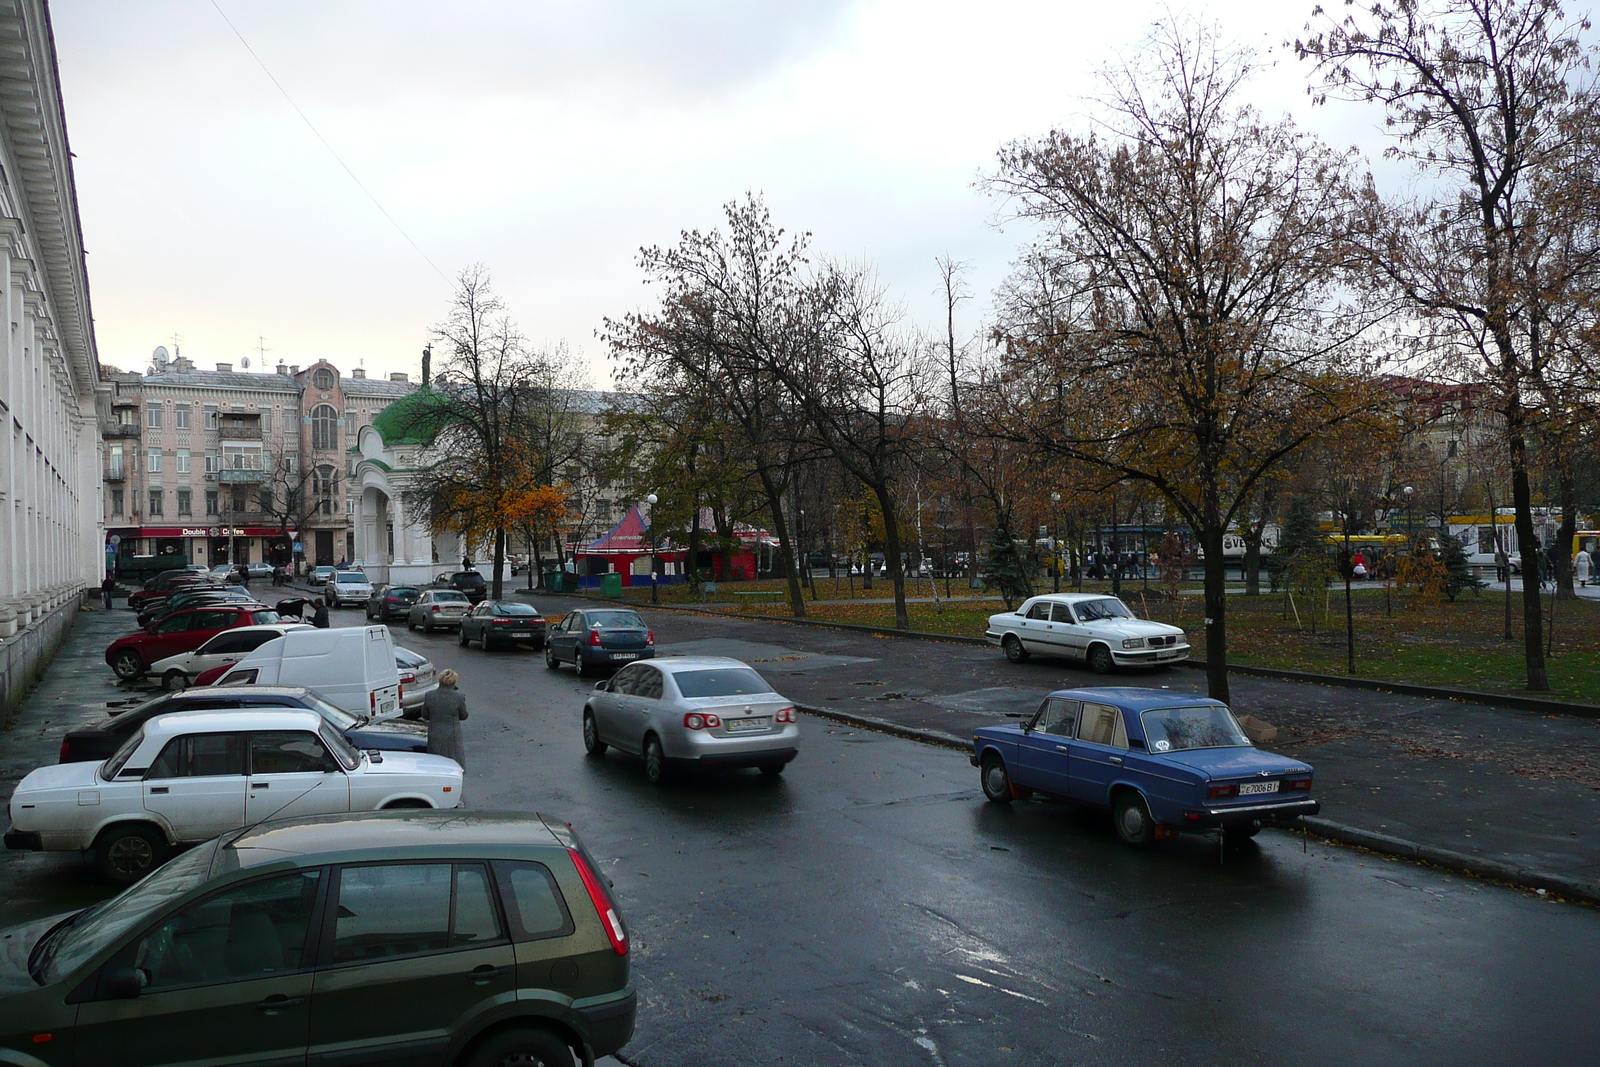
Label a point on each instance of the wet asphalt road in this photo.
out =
(871, 908)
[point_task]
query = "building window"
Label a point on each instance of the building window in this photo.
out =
(291, 463)
(265, 499)
(183, 461)
(181, 418)
(152, 417)
(114, 466)
(236, 499)
(266, 420)
(211, 417)
(185, 502)
(127, 416)
(116, 501)
(322, 379)
(324, 426)
(211, 502)
(155, 502)
(213, 462)
(154, 459)
(325, 482)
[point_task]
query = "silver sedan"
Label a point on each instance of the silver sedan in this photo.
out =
(681, 711)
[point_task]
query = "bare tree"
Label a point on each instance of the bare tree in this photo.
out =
(1494, 101)
(1194, 337)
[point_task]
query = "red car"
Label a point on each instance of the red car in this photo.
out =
(182, 631)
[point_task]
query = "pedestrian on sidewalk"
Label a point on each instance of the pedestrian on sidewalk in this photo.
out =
(244, 577)
(319, 617)
(108, 587)
(445, 709)
(1580, 567)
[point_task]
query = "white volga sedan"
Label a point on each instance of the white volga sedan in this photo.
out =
(188, 777)
(1092, 627)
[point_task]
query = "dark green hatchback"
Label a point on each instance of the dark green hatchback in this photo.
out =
(478, 939)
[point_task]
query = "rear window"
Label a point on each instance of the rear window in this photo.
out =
(264, 618)
(721, 682)
(506, 607)
(619, 619)
(451, 597)
(1179, 729)
(119, 759)
(404, 657)
(533, 902)
(401, 590)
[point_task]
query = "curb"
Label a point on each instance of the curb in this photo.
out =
(1477, 866)
(1387, 844)
(1466, 696)
(884, 726)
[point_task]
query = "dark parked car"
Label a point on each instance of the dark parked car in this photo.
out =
(164, 584)
(478, 939)
(193, 598)
(182, 631)
(1163, 763)
(391, 601)
(99, 740)
(503, 623)
(598, 638)
(469, 582)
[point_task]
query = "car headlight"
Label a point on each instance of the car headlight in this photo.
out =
(1133, 642)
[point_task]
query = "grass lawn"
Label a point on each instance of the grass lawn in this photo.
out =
(1460, 645)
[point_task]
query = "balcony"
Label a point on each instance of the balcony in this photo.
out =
(240, 475)
(120, 429)
(228, 430)
(116, 474)
(124, 401)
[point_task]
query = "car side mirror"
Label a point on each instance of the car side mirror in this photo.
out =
(603, 686)
(124, 983)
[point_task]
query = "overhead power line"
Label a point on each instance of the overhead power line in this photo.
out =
(318, 134)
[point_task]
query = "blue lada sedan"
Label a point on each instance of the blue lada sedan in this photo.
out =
(1162, 762)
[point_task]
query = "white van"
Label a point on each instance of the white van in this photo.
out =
(352, 667)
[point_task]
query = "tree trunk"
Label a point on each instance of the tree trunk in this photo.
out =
(694, 549)
(1216, 613)
(536, 564)
(897, 575)
(497, 586)
(1528, 542)
(1252, 562)
(780, 524)
(1568, 491)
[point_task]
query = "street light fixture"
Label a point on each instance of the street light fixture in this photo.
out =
(655, 584)
(1055, 540)
(1411, 538)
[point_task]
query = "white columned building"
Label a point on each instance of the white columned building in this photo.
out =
(393, 542)
(51, 525)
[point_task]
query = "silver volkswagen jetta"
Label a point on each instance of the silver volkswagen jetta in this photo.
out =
(692, 710)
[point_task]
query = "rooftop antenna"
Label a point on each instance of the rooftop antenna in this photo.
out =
(262, 349)
(175, 344)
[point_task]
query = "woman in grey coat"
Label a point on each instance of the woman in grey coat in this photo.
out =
(445, 708)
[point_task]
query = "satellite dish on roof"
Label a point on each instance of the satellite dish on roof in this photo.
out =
(159, 356)
(244, 362)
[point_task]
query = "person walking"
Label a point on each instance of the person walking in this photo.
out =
(108, 587)
(1581, 565)
(445, 709)
(319, 617)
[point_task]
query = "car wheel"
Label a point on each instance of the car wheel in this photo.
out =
(461, 637)
(411, 625)
(581, 665)
(522, 1048)
(128, 665)
(427, 627)
(127, 853)
(772, 769)
(1100, 659)
(1012, 645)
(655, 761)
(591, 736)
(996, 782)
(175, 681)
(550, 658)
(1131, 817)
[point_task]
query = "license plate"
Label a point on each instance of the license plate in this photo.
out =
(1252, 788)
(624, 655)
(740, 725)
(386, 706)
(521, 633)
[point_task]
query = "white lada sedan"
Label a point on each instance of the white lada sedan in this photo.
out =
(188, 777)
(1092, 627)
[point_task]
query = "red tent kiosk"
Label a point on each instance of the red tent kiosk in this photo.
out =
(624, 550)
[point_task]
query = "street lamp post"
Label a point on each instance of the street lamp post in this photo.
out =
(655, 583)
(1055, 540)
(1411, 538)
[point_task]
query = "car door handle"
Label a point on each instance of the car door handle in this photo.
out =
(277, 1002)
(158, 789)
(1116, 759)
(1061, 748)
(260, 785)
(486, 972)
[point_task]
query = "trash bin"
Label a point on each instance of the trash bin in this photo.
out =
(611, 586)
(551, 579)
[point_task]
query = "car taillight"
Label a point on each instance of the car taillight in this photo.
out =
(434, 609)
(62, 758)
(594, 638)
(649, 637)
(1302, 784)
(1220, 792)
(694, 720)
(372, 700)
(602, 905)
(787, 715)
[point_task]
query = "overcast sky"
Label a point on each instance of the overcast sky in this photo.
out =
(549, 141)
